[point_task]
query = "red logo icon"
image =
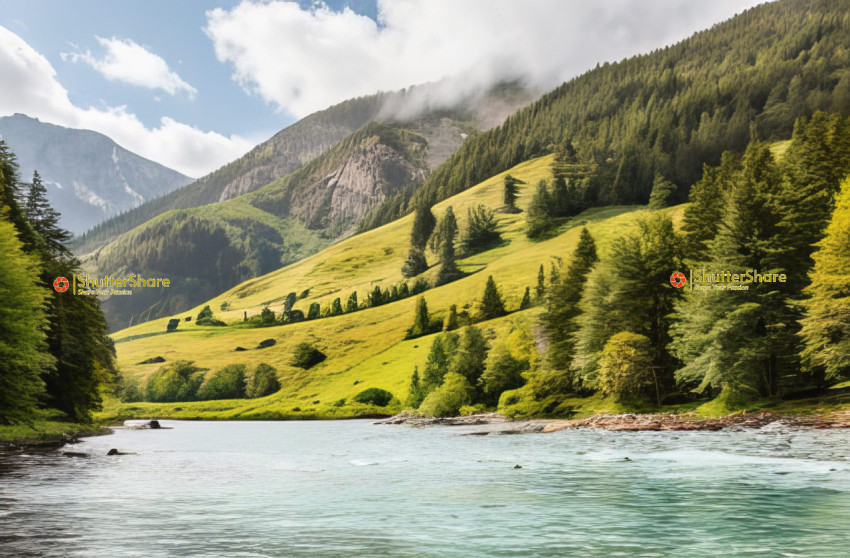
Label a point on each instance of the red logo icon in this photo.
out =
(61, 284)
(677, 279)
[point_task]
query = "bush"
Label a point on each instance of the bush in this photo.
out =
(131, 392)
(374, 396)
(447, 400)
(178, 381)
(502, 374)
(172, 324)
(307, 356)
(262, 382)
(225, 383)
(205, 317)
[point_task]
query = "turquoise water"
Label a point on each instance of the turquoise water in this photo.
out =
(350, 488)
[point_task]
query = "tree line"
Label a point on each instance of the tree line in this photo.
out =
(54, 348)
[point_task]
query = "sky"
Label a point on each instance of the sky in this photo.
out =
(194, 84)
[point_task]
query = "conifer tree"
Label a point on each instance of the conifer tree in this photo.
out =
(480, 229)
(662, 191)
(421, 320)
(351, 305)
(492, 305)
(443, 242)
(336, 307)
(451, 321)
(436, 365)
(510, 194)
(23, 351)
(43, 218)
(826, 326)
(540, 289)
(539, 217)
(416, 394)
(423, 225)
(562, 307)
(469, 358)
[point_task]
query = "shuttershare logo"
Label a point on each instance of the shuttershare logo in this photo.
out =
(677, 279)
(61, 284)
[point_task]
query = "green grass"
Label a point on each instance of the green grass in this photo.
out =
(365, 349)
(47, 428)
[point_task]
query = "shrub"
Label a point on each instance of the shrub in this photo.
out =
(374, 396)
(205, 317)
(503, 373)
(131, 392)
(262, 382)
(307, 356)
(224, 383)
(178, 381)
(172, 324)
(447, 400)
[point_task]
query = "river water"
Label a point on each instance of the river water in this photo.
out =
(351, 488)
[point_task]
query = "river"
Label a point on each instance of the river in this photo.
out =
(351, 488)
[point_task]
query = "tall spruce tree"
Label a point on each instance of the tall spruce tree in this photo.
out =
(661, 193)
(443, 242)
(423, 225)
(562, 307)
(492, 305)
(539, 216)
(510, 194)
(43, 218)
(826, 325)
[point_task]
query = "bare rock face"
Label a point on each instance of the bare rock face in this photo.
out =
(368, 175)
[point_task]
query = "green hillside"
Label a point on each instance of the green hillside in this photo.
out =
(366, 348)
(671, 110)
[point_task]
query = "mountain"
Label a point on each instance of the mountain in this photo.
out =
(88, 176)
(291, 217)
(670, 111)
(306, 139)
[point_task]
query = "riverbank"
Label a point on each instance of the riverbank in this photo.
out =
(46, 434)
(495, 423)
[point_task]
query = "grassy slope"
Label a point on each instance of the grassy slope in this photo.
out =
(365, 347)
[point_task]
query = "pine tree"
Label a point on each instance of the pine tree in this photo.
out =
(561, 205)
(351, 305)
(539, 217)
(562, 307)
(436, 365)
(336, 307)
(451, 321)
(540, 289)
(23, 350)
(416, 393)
(315, 311)
(469, 358)
(511, 192)
(43, 218)
(481, 230)
(826, 326)
(662, 190)
(423, 225)
(443, 242)
(421, 320)
(492, 305)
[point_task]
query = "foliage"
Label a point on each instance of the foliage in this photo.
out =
(447, 400)
(503, 373)
(481, 230)
(562, 308)
(510, 194)
(451, 322)
(22, 340)
(826, 326)
(625, 369)
(225, 383)
(539, 216)
(469, 358)
(307, 356)
(415, 263)
(416, 393)
(205, 317)
(492, 305)
(437, 363)
(262, 382)
(177, 381)
(662, 190)
(421, 321)
(374, 396)
(443, 242)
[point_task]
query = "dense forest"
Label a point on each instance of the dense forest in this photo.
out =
(670, 111)
(54, 347)
(773, 321)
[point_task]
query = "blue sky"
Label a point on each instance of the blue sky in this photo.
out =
(194, 84)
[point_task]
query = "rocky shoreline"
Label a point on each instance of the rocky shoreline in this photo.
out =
(495, 423)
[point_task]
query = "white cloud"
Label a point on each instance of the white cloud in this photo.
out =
(30, 86)
(303, 60)
(129, 62)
